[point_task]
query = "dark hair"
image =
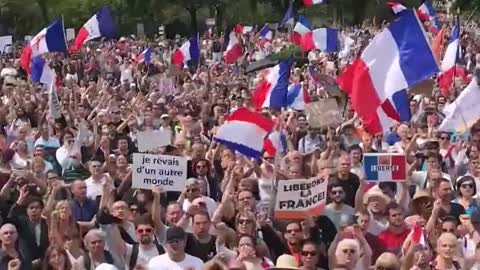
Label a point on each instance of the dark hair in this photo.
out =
(355, 147)
(34, 199)
(449, 219)
(392, 205)
(434, 155)
(310, 242)
(334, 184)
(145, 219)
(461, 181)
(61, 251)
(390, 185)
(201, 213)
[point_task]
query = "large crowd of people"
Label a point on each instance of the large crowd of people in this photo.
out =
(66, 201)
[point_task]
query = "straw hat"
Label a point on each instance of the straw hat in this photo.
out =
(376, 192)
(286, 262)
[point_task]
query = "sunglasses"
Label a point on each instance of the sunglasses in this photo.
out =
(245, 221)
(193, 190)
(309, 253)
(452, 230)
(335, 192)
(467, 185)
(146, 230)
(349, 251)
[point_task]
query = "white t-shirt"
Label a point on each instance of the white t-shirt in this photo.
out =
(94, 188)
(341, 216)
(163, 262)
(144, 255)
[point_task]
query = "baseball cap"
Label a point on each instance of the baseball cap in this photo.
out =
(175, 233)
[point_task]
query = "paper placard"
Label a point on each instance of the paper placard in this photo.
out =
(300, 197)
(323, 113)
(70, 33)
(166, 86)
(5, 43)
(384, 167)
(169, 172)
(151, 140)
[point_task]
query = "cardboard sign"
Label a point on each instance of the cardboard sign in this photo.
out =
(70, 33)
(166, 86)
(424, 88)
(169, 172)
(153, 139)
(5, 43)
(385, 167)
(323, 113)
(297, 198)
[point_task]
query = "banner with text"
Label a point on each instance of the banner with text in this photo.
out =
(384, 167)
(169, 172)
(297, 198)
(151, 140)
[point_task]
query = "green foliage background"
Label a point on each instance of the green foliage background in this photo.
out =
(21, 17)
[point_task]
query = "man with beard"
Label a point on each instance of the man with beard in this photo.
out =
(148, 246)
(397, 231)
(337, 211)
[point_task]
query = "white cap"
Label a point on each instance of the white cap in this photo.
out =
(106, 266)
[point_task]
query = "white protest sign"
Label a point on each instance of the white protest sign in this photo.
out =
(166, 86)
(300, 197)
(169, 172)
(70, 33)
(153, 139)
(28, 38)
(5, 42)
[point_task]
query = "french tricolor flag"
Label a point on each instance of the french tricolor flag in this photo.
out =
(190, 50)
(276, 142)
(100, 25)
(266, 33)
(301, 28)
(272, 92)
(41, 72)
(313, 2)
(451, 53)
(373, 161)
(245, 131)
(324, 39)
(297, 97)
(242, 29)
(288, 18)
(396, 7)
(145, 56)
(376, 82)
(50, 39)
(426, 12)
(234, 48)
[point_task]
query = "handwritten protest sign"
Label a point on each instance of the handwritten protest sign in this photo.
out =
(166, 86)
(323, 113)
(153, 139)
(296, 198)
(382, 167)
(169, 172)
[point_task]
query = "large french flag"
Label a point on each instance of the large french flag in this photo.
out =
(301, 28)
(234, 48)
(426, 12)
(99, 25)
(41, 72)
(288, 18)
(313, 2)
(190, 50)
(396, 7)
(375, 82)
(272, 92)
(297, 97)
(50, 39)
(324, 39)
(245, 131)
(266, 33)
(451, 54)
(276, 142)
(145, 56)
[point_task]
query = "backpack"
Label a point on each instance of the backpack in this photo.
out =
(88, 263)
(135, 250)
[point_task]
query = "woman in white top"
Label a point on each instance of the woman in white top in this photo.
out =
(69, 155)
(21, 159)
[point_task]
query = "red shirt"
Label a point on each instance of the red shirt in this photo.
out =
(393, 242)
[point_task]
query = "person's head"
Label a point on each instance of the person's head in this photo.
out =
(443, 137)
(8, 234)
(403, 131)
(144, 231)
(376, 201)
(367, 140)
(423, 255)
(38, 165)
(363, 219)
(245, 200)
(201, 224)
(34, 208)
(294, 157)
(64, 210)
(444, 190)
(466, 186)
(337, 194)
(122, 143)
(94, 241)
(347, 252)
(202, 167)
(120, 210)
(302, 121)
(447, 246)
(387, 261)
(175, 242)
(56, 258)
(473, 163)
(293, 233)
(433, 160)
(95, 167)
(448, 224)
(79, 189)
(309, 254)
(39, 151)
(356, 154)
(395, 215)
(245, 223)
(173, 213)
(68, 138)
(192, 189)
(344, 164)
(121, 162)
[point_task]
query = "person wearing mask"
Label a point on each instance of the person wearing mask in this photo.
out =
(11, 250)
(176, 258)
(26, 214)
(337, 211)
(397, 231)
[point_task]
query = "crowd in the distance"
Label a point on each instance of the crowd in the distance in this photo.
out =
(66, 200)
